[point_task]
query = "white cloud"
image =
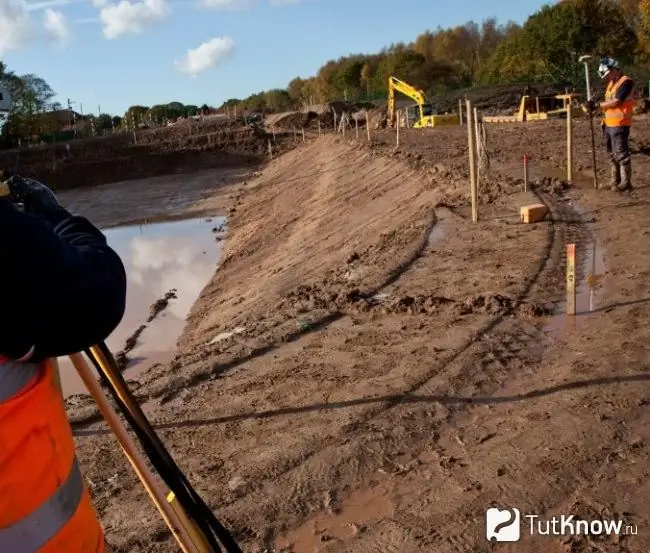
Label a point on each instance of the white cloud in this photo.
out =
(56, 26)
(230, 5)
(44, 4)
(132, 17)
(16, 27)
(205, 56)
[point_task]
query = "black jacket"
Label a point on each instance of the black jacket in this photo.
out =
(63, 288)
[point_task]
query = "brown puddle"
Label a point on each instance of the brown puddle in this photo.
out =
(178, 255)
(592, 263)
(441, 226)
(362, 507)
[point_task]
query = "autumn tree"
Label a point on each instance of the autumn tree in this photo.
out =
(556, 36)
(134, 116)
(643, 30)
(277, 100)
(295, 89)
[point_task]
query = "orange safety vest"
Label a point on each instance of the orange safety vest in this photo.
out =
(44, 503)
(621, 115)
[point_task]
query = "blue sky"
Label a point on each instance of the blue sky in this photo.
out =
(115, 53)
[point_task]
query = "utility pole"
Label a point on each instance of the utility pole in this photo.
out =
(69, 112)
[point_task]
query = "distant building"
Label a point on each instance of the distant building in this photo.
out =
(65, 120)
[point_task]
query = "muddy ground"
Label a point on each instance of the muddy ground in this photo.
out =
(400, 368)
(182, 149)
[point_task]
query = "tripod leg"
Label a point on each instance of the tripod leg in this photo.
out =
(153, 487)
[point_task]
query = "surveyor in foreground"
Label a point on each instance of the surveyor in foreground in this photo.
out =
(63, 290)
(617, 110)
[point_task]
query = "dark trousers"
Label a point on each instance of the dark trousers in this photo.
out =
(617, 140)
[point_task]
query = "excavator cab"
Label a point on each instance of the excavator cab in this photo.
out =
(414, 115)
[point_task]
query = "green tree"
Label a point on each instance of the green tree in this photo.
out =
(103, 122)
(557, 35)
(277, 100)
(134, 116)
(32, 96)
(347, 77)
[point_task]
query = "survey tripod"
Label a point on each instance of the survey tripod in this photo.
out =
(189, 519)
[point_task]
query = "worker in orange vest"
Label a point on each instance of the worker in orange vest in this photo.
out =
(617, 110)
(64, 289)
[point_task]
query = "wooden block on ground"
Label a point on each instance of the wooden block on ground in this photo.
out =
(533, 213)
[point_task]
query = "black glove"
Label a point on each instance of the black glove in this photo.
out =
(591, 106)
(37, 199)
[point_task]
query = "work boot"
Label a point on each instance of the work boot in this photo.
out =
(615, 175)
(626, 177)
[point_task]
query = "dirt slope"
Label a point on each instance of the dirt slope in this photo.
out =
(391, 374)
(326, 229)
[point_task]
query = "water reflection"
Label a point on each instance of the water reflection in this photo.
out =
(158, 257)
(563, 326)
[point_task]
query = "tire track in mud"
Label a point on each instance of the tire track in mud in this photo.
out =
(502, 357)
(503, 343)
(504, 348)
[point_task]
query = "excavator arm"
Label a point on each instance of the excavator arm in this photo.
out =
(394, 84)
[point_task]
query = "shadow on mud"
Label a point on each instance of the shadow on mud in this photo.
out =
(313, 326)
(324, 322)
(395, 399)
(619, 206)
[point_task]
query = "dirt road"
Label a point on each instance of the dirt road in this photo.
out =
(395, 369)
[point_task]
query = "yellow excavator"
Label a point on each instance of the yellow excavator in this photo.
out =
(419, 115)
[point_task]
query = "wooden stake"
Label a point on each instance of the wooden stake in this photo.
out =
(472, 161)
(571, 279)
(526, 173)
(569, 143)
(335, 129)
(460, 111)
(303, 135)
(367, 126)
(319, 127)
(478, 148)
(356, 126)
(270, 150)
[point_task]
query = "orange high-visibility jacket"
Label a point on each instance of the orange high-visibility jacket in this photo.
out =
(621, 115)
(44, 504)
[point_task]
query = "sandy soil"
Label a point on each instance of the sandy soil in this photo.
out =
(394, 369)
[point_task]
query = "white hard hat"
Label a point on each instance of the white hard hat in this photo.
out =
(606, 65)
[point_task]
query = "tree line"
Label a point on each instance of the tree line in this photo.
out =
(544, 49)
(36, 115)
